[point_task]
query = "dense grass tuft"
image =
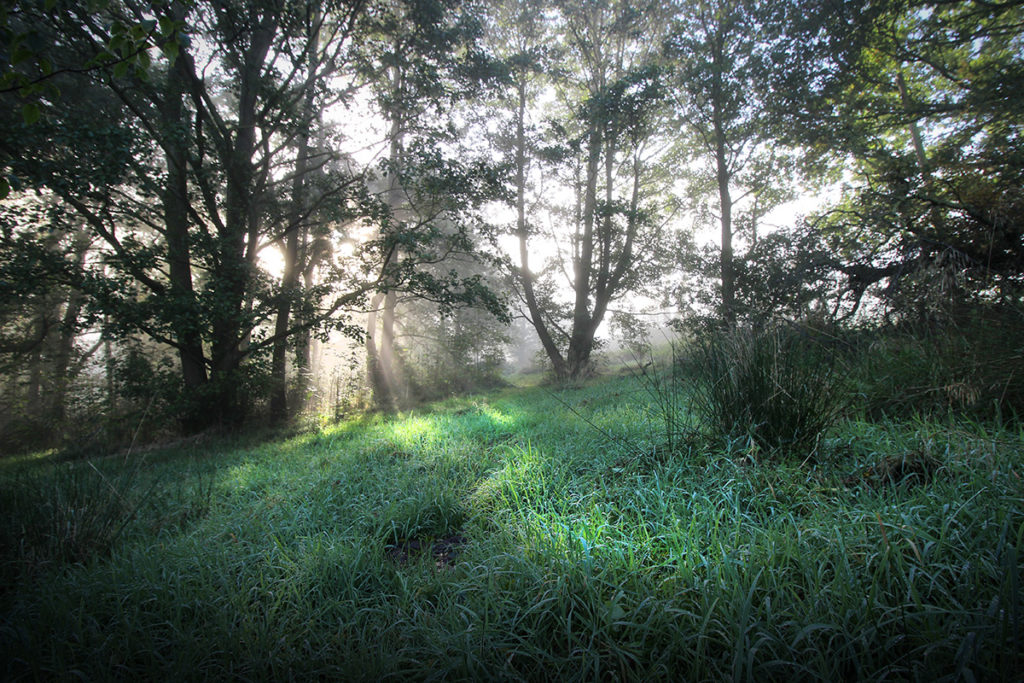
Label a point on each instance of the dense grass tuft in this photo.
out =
(773, 389)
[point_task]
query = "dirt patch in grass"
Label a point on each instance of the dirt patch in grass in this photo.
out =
(909, 469)
(444, 550)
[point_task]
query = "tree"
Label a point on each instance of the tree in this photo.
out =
(41, 352)
(604, 146)
(920, 99)
(420, 58)
(197, 154)
(714, 46)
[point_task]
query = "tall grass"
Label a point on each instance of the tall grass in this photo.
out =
(775, 389)
(67, 513)
(973, 366)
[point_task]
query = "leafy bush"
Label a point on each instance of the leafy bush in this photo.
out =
(773, 387)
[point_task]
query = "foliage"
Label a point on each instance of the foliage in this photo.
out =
(453, 354)
(68, 512)
(970, 367)
(914, 102)
(736, 173)
(178, 205)
(604, 144)
(774, 389)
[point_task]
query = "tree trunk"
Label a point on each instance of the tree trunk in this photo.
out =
(374, 377)
(290, 277)
(723, 176)
(229, 328)
(381, 364)
(33, 397)
(304, 339)
(388, 358)
(581, 338)
(727, 266)
(176, 225)
(109, 371)
(522, 232)
(65, 347)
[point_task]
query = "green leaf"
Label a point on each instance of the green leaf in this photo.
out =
(170, 50)
(118, 45)
(5, 188)
(121, 69)
(21, 54)
(31, 113)
(167, 26)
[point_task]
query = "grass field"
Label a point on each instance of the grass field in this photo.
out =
(509, 537)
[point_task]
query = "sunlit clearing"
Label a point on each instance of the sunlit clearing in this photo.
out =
(414, 431)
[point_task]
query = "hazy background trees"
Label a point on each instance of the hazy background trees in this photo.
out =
(200, 193)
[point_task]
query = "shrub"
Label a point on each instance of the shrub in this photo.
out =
(775, 388)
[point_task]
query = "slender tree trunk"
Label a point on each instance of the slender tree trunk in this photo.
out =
(303, 360)
(728, 268)
(109, 371)
(176, 226)
(65, 347)
(290, 277)
(313, 250)
(723, 176)
(381, 363)
(374, 377)
(33, 394)
(388, 358)
(581, 338)
(522, 232)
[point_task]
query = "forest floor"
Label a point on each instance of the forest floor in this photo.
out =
(525, 534)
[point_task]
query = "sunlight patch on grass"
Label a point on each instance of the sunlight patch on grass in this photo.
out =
(11, 463)
(243, 475)
(498, 417)
(414, 431)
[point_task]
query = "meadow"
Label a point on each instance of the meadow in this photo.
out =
(525, 534)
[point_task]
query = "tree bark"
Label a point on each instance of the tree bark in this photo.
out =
(179, 261)
(723, 176)
(228, 328)
(581, 337)
(522, 233)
